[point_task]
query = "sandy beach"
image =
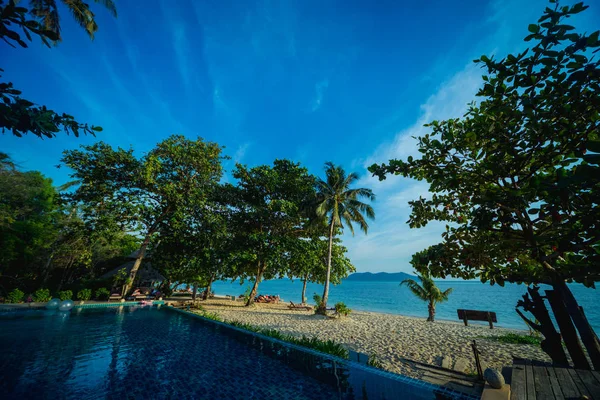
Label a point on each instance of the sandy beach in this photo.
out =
(393, 339)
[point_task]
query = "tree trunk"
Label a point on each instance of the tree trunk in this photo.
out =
(431, 309)
(552, 343)
(304, 289)
(194, 291)
(138, 262)
(47, 269)
(569, 334)
(587, 334)
(208, 288)
(259, 273)
(323, 306)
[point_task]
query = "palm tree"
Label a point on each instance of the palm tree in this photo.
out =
(46, 12)
(427, 291)
(341, 205)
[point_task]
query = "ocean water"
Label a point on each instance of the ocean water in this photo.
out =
(389, 297)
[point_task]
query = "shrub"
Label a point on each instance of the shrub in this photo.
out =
(246, 295)
(318, 300)
(16, 296)
(373, 361)
(84, 294)
(65, 295)
(516, 339)
(211, 315)
(102, 294)
(342, 309)
(327, 346)
(42, 296)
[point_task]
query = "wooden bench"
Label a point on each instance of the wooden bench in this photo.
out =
(475, 315)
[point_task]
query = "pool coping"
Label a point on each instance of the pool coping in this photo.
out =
(335, 359)
(21, 307)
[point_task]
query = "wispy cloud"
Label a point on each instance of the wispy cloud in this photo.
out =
(320, 89)
(390, 242)
(240, 153)
(181, 50)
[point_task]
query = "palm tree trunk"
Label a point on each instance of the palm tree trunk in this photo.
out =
(431, 309)
(304, 289)
(323, 306)
(259, 273)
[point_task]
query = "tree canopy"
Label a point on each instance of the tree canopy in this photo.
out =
(18, 115)
(143, 194)
(517, 178)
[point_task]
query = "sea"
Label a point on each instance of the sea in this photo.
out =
(389, 297)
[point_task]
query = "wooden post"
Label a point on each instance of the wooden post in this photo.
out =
(476, 353)
(465, 320)
(489, 316)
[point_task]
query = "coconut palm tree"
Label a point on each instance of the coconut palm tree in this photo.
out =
(341, 205)
(46, 13)
(427, 291)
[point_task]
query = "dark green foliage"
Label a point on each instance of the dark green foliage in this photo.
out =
(514, 338)
(318, 300)
(517, 179)
(21, 116)
(267, 213)
(373, 361)
(327, 346)
(84, 294)
(65, 295)
(42, 295)
(342, 309)
(144, 195)
(102, 294)
(15, 296)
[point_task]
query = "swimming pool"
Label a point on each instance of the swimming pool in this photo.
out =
(151, 352)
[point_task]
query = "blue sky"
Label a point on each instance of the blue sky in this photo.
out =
(348, 82)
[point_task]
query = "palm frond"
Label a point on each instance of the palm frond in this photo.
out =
(446, 293)
(415, 288)
(428, 290)
(46, 13)
(110, 6)
(83, 16)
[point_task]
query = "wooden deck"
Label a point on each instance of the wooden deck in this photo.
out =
(540, 381)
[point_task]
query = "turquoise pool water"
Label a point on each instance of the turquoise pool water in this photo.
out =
(150, 353)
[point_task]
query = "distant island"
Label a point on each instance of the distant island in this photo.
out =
(379, 277)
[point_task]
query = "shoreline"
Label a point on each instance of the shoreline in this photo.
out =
(445, 320)
(394, 340)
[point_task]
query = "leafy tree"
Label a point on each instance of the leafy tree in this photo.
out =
(308, 258)
(195, 247)
(142, 194)
(341, 204)
(28, 211)
(427, 291)
(266, 211)
(21, 116)
(517, 178)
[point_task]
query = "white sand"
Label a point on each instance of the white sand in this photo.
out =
(391, 338)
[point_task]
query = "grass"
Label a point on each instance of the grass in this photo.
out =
(513, 338)
(324, 346)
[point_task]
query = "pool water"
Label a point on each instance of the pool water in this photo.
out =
(148, 353)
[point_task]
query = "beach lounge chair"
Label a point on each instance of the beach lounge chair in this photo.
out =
(114, 297)
(301, 307)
